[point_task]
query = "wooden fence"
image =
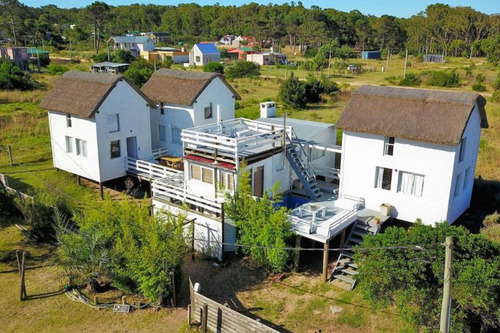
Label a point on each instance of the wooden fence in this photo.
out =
(4, 180)
(219, 318)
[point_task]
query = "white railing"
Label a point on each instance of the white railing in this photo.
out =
(359, 202)
(159, 152)
(173, 188)
(341, 222)
(148, 169)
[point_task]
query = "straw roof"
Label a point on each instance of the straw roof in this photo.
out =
(416, 114)
(180, 87)
(81, 94)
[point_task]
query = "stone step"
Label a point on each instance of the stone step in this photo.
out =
(350, 271)
(342, 284)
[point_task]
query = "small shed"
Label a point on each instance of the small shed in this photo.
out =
(433, 58)
(371, 55)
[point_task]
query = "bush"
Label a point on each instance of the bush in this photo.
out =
(310, 52)
(313, 89)
(411, 80)
(139, 71)
(293, 92)
(478, 86)
(12, 77)
(444, 79)
(214, 67)
(480, 77)
(496, 83)
(8, 210)
(329, 86)
(242, 69)
(55, 69)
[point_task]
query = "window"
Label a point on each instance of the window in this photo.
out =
(115, 149)
(197, 58)
(458, 185)
(69, 144)
(113, 123)
(81, 147)
(316, 153)
(389, 145)
(162, 133)
(227, 180)
(208, 111)
(206, 175)
(68, 120)
(466, 178)
(461, 154)
(176, 135)
(383, 178)
(410, 183)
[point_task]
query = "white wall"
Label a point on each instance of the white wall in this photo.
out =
(134, 118)
(178, 116)
(362, 153)
(84, 129)
(222, 99)
(208, 231)
(458, 204)
(204, 58)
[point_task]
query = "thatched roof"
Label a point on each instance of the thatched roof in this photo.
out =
(180, 87)
(416, 114)
(81, 94)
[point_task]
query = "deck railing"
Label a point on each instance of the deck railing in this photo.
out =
(159, 152)
(173, 187)
(147, 169)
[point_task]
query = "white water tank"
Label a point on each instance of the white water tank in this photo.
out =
(268, 110)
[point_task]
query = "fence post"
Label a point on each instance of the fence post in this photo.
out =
(174, 288)
(9, 151)
(204, 318)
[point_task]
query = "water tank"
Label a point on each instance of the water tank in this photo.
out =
(268, 110)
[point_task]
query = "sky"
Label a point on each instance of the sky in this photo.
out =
(398, 8)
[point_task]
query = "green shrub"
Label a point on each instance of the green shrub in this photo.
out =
(329, 86)
(478, 86)
(12, 77)
(480, 77)
(411, 80)
(214, 67)
(293, 92)
(496, 83)
(8, 210)
(55, 69)
(242, 69)
(310, 52)
(444, 79)
(139, 71)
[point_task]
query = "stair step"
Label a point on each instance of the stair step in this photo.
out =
(348, 253)
(344, 278)
(350, 271)
(355, 240)
(359, 233)
(353, 265)
(342, 284)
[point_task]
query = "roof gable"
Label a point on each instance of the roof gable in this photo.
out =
(180, 87)
(416, 114)
(81, 93)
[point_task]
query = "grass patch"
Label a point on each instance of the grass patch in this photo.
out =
(355, 320)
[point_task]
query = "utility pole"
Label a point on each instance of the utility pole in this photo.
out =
(444, 326)
(406, 63)
(388, 55)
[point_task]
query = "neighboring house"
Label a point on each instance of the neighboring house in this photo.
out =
(134, 44)
(267, 58)
(18, 55)
(227, 40)
(203, 53)
(241, 52)
(161, 54)
(412, 149)
(108, 67)
(186, 99)
(245, 40)
(159, 37)
(96, 121)
(371, 55)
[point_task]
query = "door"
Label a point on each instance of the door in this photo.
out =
(258, 176)
(132, 147)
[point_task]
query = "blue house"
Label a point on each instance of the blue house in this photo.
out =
(203, 53)
(371, 55)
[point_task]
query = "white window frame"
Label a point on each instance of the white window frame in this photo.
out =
(113, 122)
(69, 144)
(201, 176)
(227, 181)
(81, 147)
(416, 183)
(111, 149)
(389, 146)
(379, 178)
(211, 111)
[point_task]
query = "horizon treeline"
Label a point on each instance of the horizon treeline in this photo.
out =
(457, 31)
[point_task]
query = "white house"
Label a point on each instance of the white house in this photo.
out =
(412, 149)
(186, 99)
(134, 44)
(227, 39)
(203, 53)
(97, 120)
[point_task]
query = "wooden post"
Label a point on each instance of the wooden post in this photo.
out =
(189, 315)
(342, 238)
(124, 299)
(9, 151)
(96, 300)
(174, 288)
(222, 233)
(101, 189)
(78, 180)
(204, 318)
(298, 239)
(444, 326)
(23, 293)
(325, 261)
(192, 240)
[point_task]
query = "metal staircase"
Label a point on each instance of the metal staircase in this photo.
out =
(345, 270)
(305, 172)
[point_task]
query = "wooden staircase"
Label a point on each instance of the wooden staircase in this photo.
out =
(345, 270)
